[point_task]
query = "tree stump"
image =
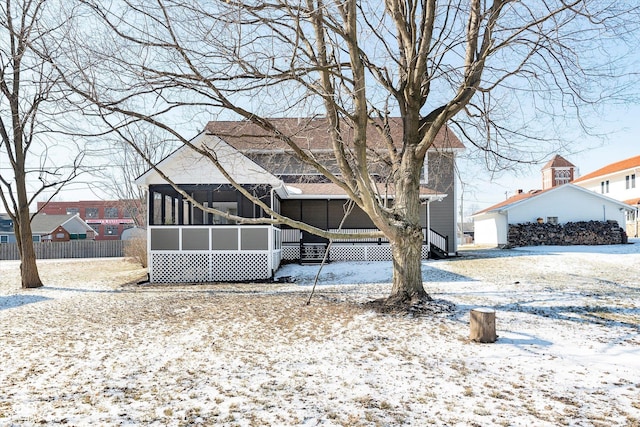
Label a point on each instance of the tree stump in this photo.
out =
(483, 325)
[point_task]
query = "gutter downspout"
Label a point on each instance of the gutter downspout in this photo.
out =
(429, 226)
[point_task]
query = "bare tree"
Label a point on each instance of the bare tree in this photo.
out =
(32, 159)
(499, 71)
(116, 177)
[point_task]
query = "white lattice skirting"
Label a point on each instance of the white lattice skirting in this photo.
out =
(218, 267)
(351, 252)
(291, 252)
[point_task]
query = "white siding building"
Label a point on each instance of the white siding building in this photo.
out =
(561, 204)
(620, 181)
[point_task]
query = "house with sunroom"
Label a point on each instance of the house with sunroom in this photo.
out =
(618, 180)
(187, 244)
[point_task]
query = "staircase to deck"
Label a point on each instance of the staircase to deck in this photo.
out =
(439, 244)
(312, 253)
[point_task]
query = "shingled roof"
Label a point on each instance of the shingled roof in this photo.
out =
(518, 197)
(45, 224)
(630, 163)
(301, 190)
(312, 134)
(558, 162)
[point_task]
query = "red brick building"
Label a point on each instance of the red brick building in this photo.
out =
(109, 218)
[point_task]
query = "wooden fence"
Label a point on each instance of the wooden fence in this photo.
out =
(71, 249)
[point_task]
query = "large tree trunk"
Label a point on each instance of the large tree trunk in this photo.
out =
(406, 250)
(28, 268)
(29, 275)
(406, 233)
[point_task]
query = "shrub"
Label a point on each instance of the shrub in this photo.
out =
(136, 251)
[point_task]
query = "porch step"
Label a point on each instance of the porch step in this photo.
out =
(312, 253)
(437, 253)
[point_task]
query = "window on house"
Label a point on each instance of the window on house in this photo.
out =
(4, 239)
(130, 212)
(562, 176)
(111, 212)
(73, 211)
(552, 219)
(35, 238)
(91, 213)
(96, 227)
(111, 230)
(604, 186)
(631, 216)
(632, 180)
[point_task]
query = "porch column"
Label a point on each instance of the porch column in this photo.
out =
(151, 196)
(209, 219)
(173, 210)
(180, 210)
(163, 209)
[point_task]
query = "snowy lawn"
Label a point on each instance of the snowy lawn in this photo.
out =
(95, 348)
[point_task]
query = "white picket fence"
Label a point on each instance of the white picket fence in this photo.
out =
(71, 249)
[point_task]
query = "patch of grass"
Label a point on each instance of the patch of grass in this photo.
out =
(496, 394)
(461, 367)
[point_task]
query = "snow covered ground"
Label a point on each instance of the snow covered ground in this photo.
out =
(94, 348)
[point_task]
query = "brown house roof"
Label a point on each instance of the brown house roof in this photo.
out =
(558, 162)
(311, 134)
(331, 189)
(622, 165)
(633, 202)
(513, 199)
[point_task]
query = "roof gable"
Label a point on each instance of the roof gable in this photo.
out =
(186, 166)
(630, 163)
(46, 224)
(558, 162)
(524, 198)
(510, 201)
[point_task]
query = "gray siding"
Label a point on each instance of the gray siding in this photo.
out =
(356, 219)
(441, 178)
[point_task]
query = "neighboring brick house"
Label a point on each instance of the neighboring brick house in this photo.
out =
(50, 228)
(109, 218)
(618, 180)
(187, 244)
(60, 228)
(6, 229)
